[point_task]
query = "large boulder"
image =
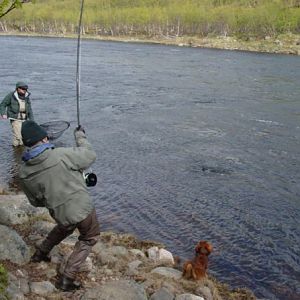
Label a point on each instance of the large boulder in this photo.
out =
(12, 246)
(16, 209)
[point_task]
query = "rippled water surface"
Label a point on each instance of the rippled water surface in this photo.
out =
(192, 144)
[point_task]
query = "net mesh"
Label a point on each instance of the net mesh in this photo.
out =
(55, 128)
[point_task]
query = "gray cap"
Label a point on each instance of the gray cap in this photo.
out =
(21, 84)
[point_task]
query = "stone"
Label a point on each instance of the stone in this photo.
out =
(137, 253)
(167, 272)
(42, 228)
(165, 256)
(117, 290)
(12, 246)
(160, 255)
(99, 248)
(162, 294)
(132, 267)
(188, 297)
(153, 253)
(16, 209)
(204, 292)
(119, 251)
(42, 288)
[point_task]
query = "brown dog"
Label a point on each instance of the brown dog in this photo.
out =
(196, 268)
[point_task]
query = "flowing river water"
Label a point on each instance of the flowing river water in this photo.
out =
(192, 144)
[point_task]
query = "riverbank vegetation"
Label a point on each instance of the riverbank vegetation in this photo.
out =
(185, 22)
(243, 18)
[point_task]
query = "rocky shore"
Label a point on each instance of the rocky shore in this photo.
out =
(281, 44)
(120, 267)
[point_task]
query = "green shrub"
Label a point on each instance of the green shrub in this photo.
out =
(3, 282)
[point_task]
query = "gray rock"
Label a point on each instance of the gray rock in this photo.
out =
(16, 209)
(106, 258)
(99, 248)
(162, 294)
(42, 227)
(167, 272)
(42, 288)
(137, 253)
(12, 246)
(119, 251)
(205, 292)
(117, 290)
(188, 297)
(14, 293)
(132, 267)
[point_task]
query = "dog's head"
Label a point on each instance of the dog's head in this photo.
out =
(204, 248)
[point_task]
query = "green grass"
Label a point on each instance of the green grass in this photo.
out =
(244, 18)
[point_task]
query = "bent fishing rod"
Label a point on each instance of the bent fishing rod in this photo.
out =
(89, 177)
(78, 65)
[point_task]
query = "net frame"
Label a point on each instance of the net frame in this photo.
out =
(55, 128)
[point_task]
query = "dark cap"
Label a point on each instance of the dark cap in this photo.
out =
(21, 84)
(32, 133)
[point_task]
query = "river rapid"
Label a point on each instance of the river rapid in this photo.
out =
(192, 144)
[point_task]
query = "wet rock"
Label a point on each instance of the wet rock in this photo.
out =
(162, 294)
(117, 290)
(167, 272)
(12, 246)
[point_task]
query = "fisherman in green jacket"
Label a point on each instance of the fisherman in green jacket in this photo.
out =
(52, 178)
(16, 106)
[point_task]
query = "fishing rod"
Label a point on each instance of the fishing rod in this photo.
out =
(89, 177)
(78, 65)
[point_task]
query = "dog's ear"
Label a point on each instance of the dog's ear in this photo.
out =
(198, 248)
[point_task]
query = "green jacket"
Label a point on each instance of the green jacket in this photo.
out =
(54, 180)
(10, 106)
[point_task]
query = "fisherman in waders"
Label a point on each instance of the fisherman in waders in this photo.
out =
(16, 106)
(52, 178)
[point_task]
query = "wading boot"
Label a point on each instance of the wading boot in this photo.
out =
(67, 284)
(39, 256)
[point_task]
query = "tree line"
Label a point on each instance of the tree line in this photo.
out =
(156, 18)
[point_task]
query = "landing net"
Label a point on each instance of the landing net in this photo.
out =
(55, 128)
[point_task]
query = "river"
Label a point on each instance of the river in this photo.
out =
(192, 144)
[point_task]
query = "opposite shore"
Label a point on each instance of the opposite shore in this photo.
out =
(282, 44)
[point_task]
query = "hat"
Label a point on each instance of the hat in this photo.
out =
(21, 84)
(32, 133)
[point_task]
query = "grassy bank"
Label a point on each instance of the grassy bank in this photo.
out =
(264, 25)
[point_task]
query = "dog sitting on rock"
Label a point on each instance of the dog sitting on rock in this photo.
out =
(195, 269)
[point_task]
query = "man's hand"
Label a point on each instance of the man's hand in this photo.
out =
(79, 128)
(4, 117)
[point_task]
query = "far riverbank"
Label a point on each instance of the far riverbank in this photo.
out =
(282, 44)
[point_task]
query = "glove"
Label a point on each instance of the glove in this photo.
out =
(79, 128)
